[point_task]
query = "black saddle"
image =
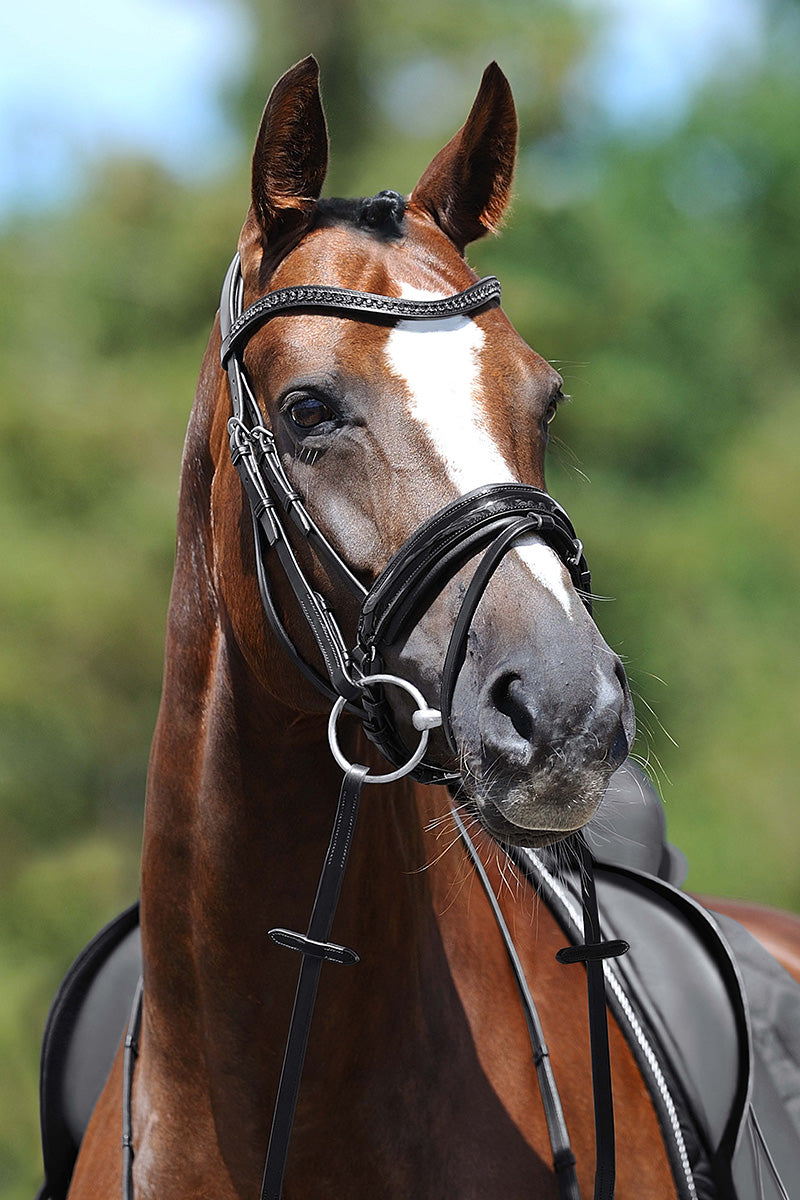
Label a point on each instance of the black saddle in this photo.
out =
(714, 1022)
(84, 1027)
(712, 1018)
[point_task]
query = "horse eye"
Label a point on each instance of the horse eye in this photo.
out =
(309, 412)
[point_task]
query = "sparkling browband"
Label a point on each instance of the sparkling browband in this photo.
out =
(339, 299)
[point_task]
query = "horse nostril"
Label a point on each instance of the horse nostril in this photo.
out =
(627, 726)
(619, 748)
(507, 696)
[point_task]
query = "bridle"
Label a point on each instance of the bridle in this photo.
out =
(488, 521)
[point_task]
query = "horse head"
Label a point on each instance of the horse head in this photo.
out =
(378, 425)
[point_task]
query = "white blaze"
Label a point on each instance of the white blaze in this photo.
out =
(440, 363)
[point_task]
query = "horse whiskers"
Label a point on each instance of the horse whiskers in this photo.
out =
(657, 719)
(596, 598)
(433, 862)
(442, 819)
(504, 864)
(649, 760)
(649, 764)
(466, 874)
(446, 824)
(308, 455)
(563, 860)
(649, 757)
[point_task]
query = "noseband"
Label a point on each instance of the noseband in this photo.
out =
(488, 521)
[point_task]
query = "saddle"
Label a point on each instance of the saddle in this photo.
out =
(86, 1022)
(712, 1019)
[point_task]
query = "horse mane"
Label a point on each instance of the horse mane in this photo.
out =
(382, 215)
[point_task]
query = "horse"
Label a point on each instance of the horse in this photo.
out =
(418, 1077)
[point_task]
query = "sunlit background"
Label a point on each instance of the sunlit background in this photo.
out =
(652, 254)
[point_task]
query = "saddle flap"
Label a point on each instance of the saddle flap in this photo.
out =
(84, 1026)
(692, 992)
(773, 1000)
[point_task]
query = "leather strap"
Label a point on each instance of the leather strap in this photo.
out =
(315, 949)
(129, 1055)
(563, 1157)
(457, 648)
(318, 297)
(592, 953)
(255, 457)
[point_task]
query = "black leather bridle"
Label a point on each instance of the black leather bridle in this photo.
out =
(488, 521)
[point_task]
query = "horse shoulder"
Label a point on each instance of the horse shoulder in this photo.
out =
(98, 1170)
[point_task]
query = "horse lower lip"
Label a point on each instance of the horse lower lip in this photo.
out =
(492, 814)
(548, 830)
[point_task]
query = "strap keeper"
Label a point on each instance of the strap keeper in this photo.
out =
(265, 515)
(593, 951)
(306, 945)
(564, 1160)
(294, 507)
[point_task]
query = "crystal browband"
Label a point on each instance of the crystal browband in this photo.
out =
(339, 299)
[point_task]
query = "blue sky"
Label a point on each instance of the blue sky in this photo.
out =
(80, 79)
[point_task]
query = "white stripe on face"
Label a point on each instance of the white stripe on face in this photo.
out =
(440, 364)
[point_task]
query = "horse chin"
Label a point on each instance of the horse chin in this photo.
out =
(524, 814)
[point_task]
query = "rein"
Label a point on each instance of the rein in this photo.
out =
(487, 521)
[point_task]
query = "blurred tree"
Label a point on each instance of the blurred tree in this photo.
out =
(661, 276)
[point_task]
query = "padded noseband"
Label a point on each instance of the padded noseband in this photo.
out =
(449, 539)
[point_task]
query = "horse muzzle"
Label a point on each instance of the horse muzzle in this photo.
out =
(539, 734)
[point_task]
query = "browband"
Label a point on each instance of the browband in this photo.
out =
(338, 299)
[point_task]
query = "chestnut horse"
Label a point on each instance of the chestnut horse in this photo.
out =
(418, 1079)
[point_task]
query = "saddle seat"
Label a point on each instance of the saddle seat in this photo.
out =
(712, 1018)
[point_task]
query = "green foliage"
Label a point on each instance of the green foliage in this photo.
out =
(661, 278)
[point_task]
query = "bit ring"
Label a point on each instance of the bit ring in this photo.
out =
(424, 720)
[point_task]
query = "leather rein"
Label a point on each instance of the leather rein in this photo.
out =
(487, 521)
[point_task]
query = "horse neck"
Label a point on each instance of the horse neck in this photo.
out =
(241, 798)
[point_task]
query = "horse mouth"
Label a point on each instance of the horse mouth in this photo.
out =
(518, 816)
(505, 831)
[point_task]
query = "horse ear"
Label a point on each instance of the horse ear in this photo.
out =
(291, 154)
(467, 186)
